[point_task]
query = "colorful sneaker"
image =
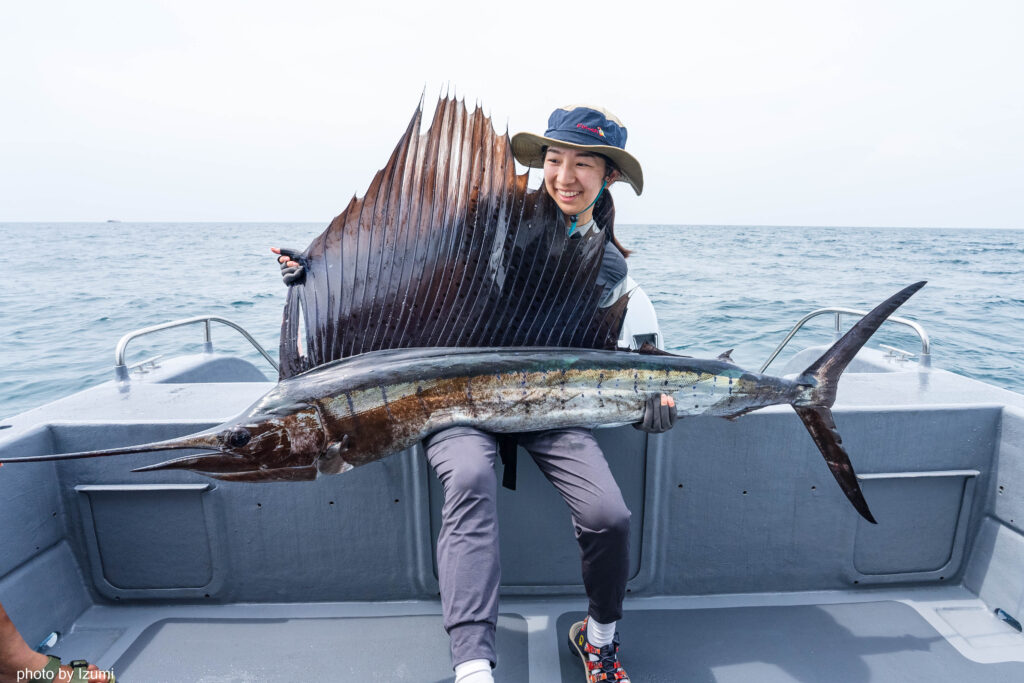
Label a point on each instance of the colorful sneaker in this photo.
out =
(606, 667)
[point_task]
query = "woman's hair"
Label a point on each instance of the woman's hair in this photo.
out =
(604, 210)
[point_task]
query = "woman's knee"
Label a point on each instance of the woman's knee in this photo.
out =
(472, 477)
(464, 462)
(609, 518)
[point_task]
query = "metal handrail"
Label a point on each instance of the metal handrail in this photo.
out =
(838, 312)
(121, 371)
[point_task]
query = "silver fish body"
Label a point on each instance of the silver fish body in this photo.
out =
(382, 402)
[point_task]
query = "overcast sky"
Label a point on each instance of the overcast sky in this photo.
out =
(775, 113)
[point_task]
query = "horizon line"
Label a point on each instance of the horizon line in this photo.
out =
(622, 225)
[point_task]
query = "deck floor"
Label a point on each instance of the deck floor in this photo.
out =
(806, 638)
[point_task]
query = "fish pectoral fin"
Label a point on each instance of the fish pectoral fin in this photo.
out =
(331, 460)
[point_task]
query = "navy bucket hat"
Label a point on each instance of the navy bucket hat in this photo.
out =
(582, 127)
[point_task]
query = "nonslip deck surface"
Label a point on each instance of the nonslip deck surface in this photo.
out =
(871, 642)
(863, 642)
(365, 649)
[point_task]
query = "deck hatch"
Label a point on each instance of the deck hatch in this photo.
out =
(920, 527)
(148, 539)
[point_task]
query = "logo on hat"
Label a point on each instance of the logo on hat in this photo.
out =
(592, 130)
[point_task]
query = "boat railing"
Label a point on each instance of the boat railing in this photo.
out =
(926, 357)
(121, 371)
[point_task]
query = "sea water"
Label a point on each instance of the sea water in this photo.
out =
(71, 290)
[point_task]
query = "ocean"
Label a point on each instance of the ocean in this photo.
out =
(71, 290)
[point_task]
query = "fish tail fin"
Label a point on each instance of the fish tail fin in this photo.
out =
(819, 422)
(822, 376)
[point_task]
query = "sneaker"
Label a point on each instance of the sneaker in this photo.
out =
(607, 666)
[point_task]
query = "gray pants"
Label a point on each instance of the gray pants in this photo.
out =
(467, 547)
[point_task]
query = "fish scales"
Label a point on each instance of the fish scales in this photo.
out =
(397, 403)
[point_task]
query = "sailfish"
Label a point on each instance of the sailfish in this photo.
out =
(450, 294)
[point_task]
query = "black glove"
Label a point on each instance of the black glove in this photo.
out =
(295, 274)
(657, 418)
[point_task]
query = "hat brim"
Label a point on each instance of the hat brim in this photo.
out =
(528, 150)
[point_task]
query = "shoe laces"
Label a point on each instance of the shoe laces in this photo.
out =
(608, 657)
(607, 666)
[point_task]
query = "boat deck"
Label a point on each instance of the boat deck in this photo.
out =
(914, 635)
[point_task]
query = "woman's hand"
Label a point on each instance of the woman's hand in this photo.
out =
(659, 414)
(292, 270)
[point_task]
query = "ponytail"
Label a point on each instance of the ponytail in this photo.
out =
(604, 214)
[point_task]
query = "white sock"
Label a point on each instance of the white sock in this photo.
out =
(599, 634)
(474, 671)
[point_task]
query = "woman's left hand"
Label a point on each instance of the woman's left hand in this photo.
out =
(292, 270)
(659, 415)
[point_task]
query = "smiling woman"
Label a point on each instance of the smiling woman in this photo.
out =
(576, 179)
(582, 153)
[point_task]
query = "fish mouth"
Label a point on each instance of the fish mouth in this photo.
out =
(229, 467)
(222, 462)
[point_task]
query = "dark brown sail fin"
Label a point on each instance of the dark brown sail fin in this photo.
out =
(447, 248)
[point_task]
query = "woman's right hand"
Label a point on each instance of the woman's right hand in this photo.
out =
(292, 270)
(659, 414)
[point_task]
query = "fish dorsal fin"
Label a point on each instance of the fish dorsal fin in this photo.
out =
(650, 349)
(447, 248)
(726, 356)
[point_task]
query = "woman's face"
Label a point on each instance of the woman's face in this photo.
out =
(573, 178)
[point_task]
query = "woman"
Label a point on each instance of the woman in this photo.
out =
(582, 153)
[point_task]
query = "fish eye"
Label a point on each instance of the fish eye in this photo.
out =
(236, 437)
